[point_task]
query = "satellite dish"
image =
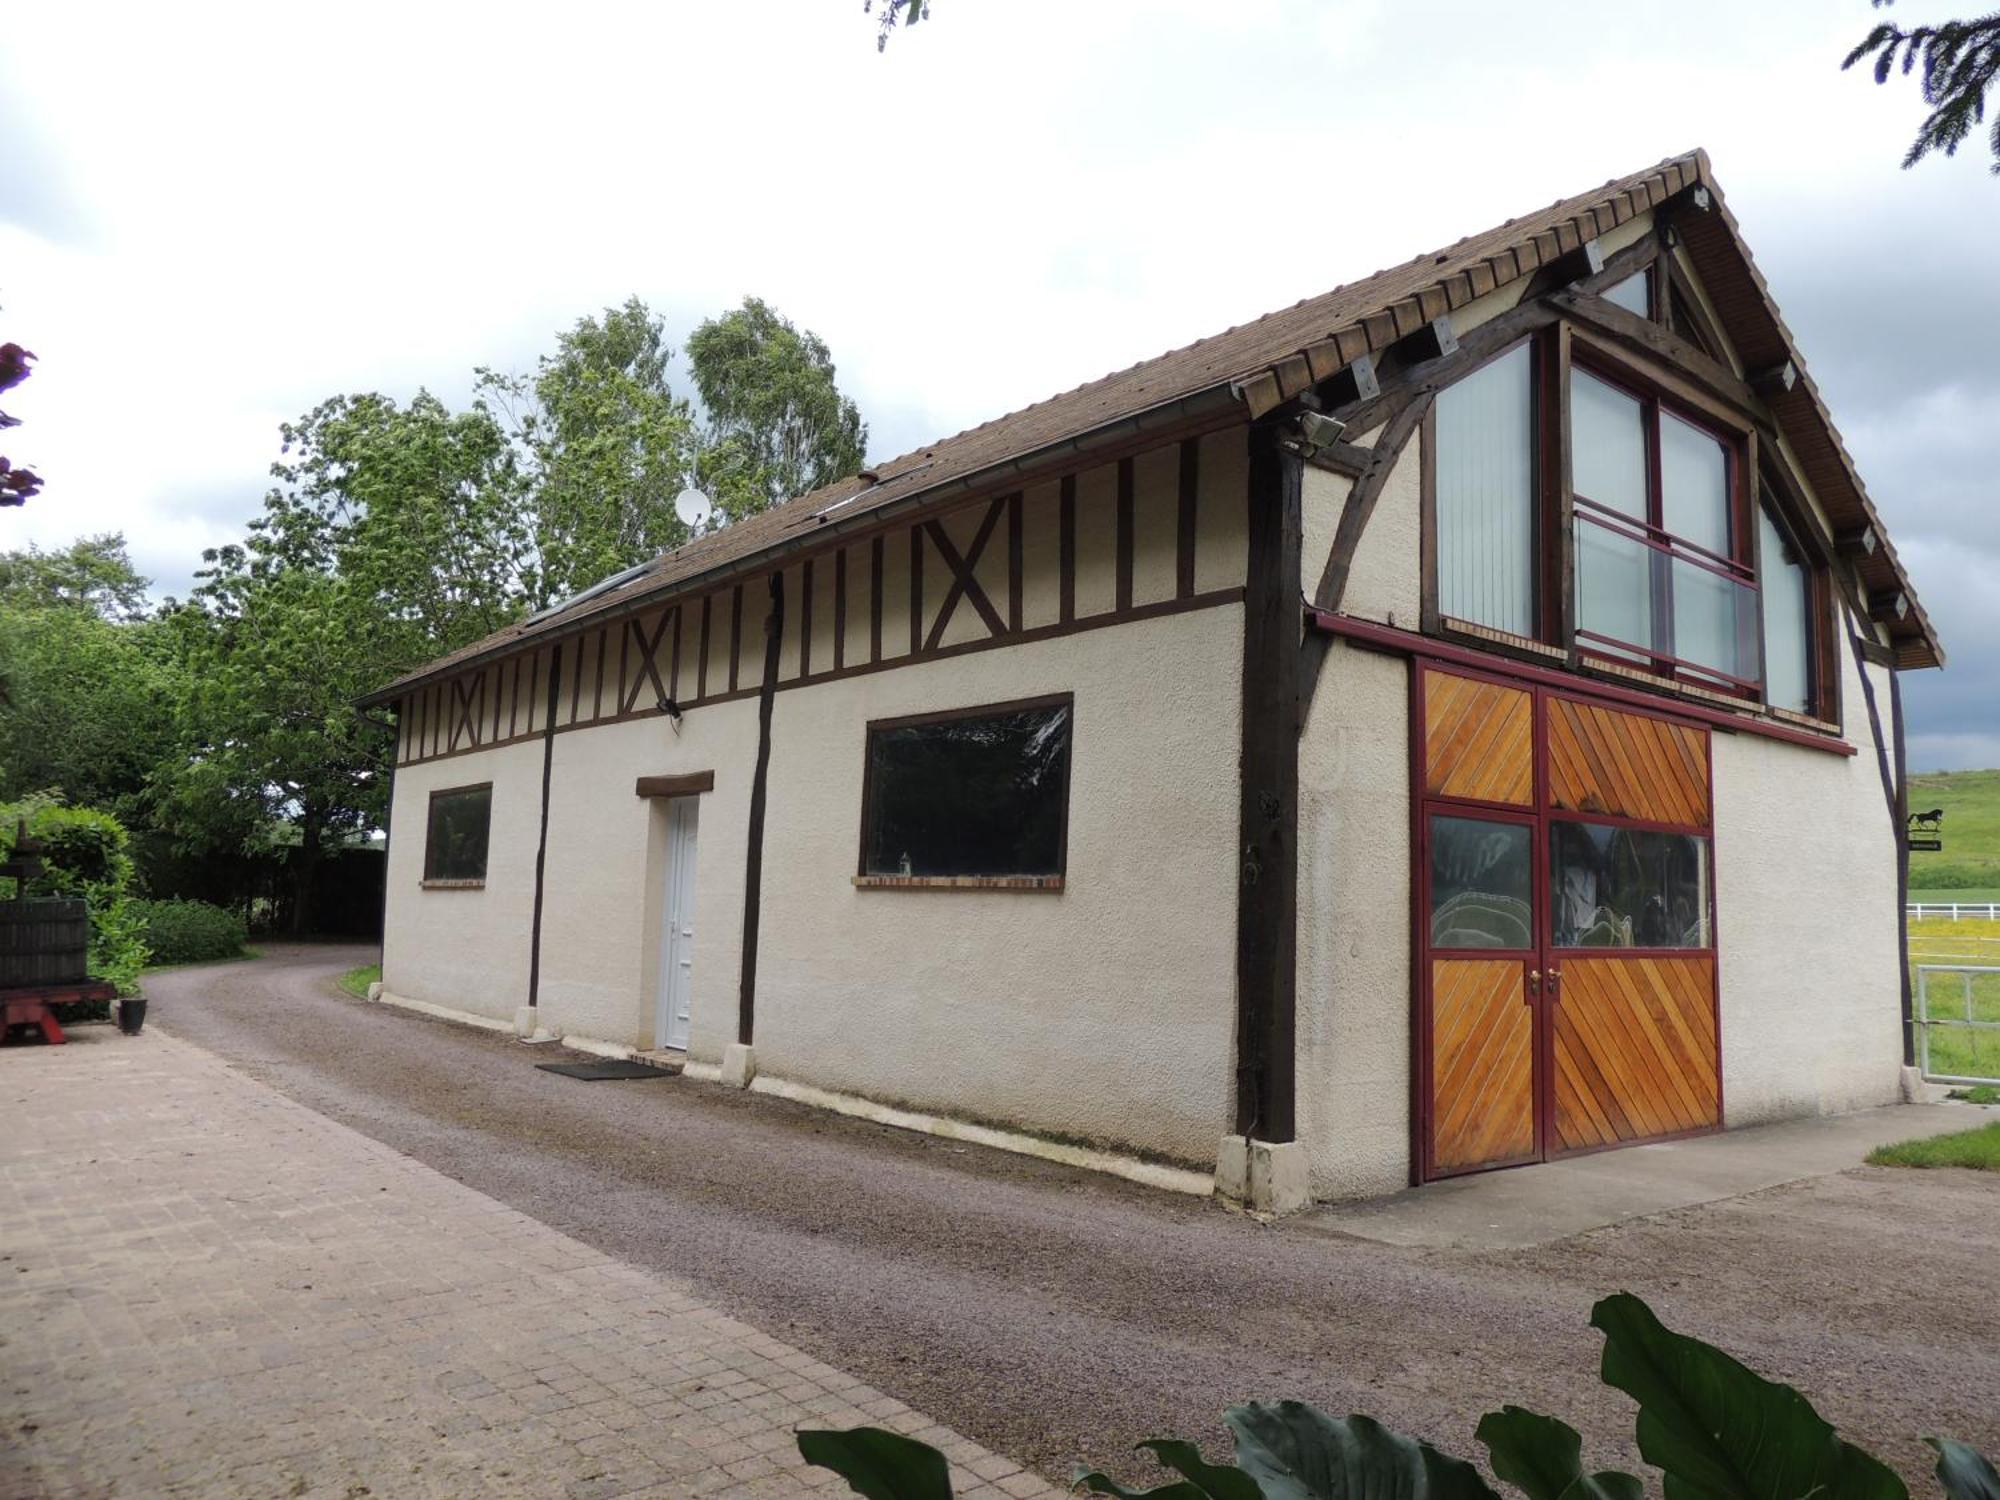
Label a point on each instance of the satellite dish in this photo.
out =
(693, 507)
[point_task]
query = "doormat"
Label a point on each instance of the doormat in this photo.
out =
(598, 1072)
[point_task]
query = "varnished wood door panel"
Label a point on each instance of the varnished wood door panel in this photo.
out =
(1482, 1064)
(1479, 740)
(1634, 1049)
(1602, 760)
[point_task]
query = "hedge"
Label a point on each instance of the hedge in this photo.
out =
(187, 932)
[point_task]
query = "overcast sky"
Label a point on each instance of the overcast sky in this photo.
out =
(212, 219)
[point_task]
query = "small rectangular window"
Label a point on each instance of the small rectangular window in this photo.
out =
(1787, 619)
(1482, 884)
(1485, 470)
(455, 841)
(983, 793)
(1617, 887)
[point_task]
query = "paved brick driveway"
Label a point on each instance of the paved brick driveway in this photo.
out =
(207, 1289)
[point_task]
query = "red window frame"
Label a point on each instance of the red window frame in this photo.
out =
(1667, 547)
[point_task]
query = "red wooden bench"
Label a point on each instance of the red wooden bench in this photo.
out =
(35, 1005)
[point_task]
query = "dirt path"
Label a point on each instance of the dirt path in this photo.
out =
(1052, 1314)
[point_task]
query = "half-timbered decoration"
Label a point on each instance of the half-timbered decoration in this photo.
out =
(1448, 724)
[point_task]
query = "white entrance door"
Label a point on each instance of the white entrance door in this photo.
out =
(670, 1026)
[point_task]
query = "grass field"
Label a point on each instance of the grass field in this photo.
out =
(1970, 859)
(356, 981)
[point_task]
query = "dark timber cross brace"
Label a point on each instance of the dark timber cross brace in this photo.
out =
(1268, 814)
(753, 863)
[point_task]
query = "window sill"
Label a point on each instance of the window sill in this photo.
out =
(1486, 635)
(958, 882)
(454, 885)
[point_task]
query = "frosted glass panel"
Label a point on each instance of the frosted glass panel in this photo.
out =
(1787, 641)
(1608, 443)
(1694, 480)
(1630, 294)
(1709, 614)
(1614, 589)
(1486, 496)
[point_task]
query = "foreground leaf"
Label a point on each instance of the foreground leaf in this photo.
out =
(1719, 1431)
(1543, 1457)
(1297, 1452)
(1201, 1479)
(1964, 1472)
(879, 1464)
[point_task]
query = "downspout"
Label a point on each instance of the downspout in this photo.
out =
(753, 863)
(542, 845)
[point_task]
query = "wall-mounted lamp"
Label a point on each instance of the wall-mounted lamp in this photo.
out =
(672, 710)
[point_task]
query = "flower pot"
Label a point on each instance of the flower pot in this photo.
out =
(132, 1015)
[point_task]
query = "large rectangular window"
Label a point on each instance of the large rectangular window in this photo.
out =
(1617, 887)
(1660, 578)
(455, 840)
(984, 793)
(1486, 495)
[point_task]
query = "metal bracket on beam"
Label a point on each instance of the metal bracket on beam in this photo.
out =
(1892, 603)
(1432, 341)
(1857, 541)
(1776, 379)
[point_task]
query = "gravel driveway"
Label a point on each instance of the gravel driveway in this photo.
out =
(1053, 1314)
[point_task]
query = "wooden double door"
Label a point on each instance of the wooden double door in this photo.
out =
(1566, 924)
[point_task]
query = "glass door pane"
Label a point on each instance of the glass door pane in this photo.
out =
(1482, 884)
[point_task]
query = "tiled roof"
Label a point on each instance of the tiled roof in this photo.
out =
(1262, 363)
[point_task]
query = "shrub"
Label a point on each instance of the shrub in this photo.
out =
(86, 853)
(188, 932)
(1715, 1429)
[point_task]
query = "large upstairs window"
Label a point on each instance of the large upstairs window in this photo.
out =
(1662, 579)
(1659, 557)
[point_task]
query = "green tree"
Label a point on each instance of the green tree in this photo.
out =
(87, 683)
(778, 425)
(1956, 62)
(88, 708)
(93, 573)
(393, 534)
(605, 446)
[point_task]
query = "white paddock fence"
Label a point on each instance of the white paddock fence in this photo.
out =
(1954, 911)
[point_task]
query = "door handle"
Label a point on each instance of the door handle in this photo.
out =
(1534, 980)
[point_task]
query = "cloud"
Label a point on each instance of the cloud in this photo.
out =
(219, 220)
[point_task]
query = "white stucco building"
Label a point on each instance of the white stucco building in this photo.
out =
(1386, 740)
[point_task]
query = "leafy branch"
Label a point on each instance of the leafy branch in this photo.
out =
(892, 12)
(1957, 62)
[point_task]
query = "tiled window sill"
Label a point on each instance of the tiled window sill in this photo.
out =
(959, 882)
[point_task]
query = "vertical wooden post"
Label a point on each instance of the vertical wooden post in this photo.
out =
(1901, 813)
(1267, 889)
(542, 844)
(753, 864)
